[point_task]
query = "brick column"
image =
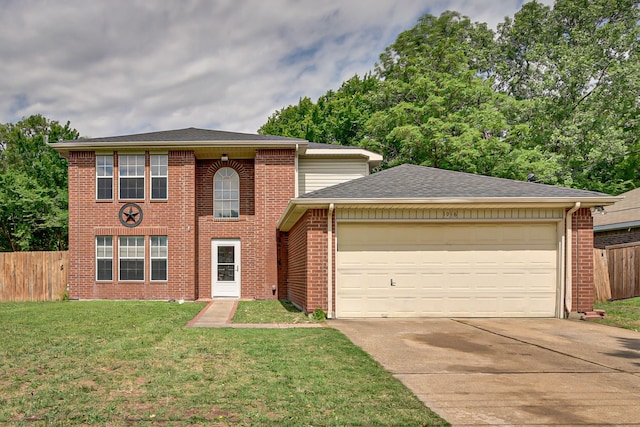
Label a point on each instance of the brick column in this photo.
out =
(274, 187)
(583, 292)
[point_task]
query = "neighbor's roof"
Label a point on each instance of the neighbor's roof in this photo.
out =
(420, 182)
(410, 186)
(622, 214)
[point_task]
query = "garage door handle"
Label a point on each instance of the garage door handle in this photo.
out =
(392, 283)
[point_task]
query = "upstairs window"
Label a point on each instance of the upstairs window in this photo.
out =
(159, 176)
(131, 171)
(226, 198)
(104, 177)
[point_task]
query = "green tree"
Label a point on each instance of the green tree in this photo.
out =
(33, 185)
(578, 64)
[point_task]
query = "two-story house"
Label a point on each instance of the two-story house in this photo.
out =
(199, 214)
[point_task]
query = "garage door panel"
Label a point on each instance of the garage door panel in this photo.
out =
(466, 270)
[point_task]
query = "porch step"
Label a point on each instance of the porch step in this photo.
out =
(595, 314)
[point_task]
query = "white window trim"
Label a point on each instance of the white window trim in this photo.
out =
(151, 258)
(98, 177)
(144, 267)
(237, 177)
(143, 176)
(166, 176)
(99, 258)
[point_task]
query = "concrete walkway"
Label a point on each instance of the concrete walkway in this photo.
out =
(219, 313)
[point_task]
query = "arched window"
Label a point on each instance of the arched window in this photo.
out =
(226, 196)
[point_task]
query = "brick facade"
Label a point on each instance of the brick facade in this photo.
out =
(267, 183)
(266, 186)
(93, 218)
(603, 239)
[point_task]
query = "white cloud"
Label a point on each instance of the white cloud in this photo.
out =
(116, 66)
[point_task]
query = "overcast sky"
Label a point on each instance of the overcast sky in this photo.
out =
(114, 67)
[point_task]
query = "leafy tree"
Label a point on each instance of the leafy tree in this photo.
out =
(33, 185)
(578, 64)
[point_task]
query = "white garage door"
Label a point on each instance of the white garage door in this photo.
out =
(464, 270)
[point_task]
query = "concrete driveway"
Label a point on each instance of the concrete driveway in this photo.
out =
(510, 371)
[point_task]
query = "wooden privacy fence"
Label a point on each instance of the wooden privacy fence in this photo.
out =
(622, 265)
(33, 276)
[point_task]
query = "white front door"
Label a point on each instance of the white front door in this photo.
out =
(225, 258)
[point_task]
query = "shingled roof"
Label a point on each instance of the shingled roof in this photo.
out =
(420, 182)
(187, 135)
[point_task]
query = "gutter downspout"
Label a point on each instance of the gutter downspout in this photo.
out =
(330, 261)
(295, 167)
(568, 266)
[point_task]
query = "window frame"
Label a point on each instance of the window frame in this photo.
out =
(99, 176)
(124, 176)
(137, 257)
(154, 175)
(234, 178)
(104, 248)
(162, 257)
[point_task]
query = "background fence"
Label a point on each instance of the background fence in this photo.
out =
(33, 276)
(621, 263)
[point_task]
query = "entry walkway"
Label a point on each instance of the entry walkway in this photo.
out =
(219, 313)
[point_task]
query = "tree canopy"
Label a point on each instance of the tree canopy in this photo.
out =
(554, 92)
(33, 185)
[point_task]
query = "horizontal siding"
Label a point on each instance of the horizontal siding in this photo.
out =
(449, 214)
(315, 174)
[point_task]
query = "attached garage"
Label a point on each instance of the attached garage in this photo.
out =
(443, 270)
(415, 241)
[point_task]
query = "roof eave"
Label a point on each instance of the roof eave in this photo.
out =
(297, 207)
(65, 147)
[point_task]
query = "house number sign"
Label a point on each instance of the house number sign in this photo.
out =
(130, 215)
(450, 214)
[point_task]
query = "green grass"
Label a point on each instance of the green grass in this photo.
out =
(269, 311)
(123, 363)
(623, 313)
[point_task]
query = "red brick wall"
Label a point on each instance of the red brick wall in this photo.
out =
(307, 273)
(297, 263)
(582, 261)
(174, 218)
(266, 186)
(616, 237)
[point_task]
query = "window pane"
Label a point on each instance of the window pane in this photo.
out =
(158, 188)
(105, 269)
(105, 188)
(132, 188)
(158, 269)
(131, 269)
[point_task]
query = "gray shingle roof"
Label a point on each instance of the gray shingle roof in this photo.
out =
(188, 135)
(420, 182)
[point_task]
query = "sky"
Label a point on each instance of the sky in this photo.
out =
(115, 67)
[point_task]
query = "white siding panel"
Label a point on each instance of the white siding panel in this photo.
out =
(315, 174)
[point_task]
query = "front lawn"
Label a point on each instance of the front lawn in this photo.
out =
(622, 313)
(269, 311)
(117, 363)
